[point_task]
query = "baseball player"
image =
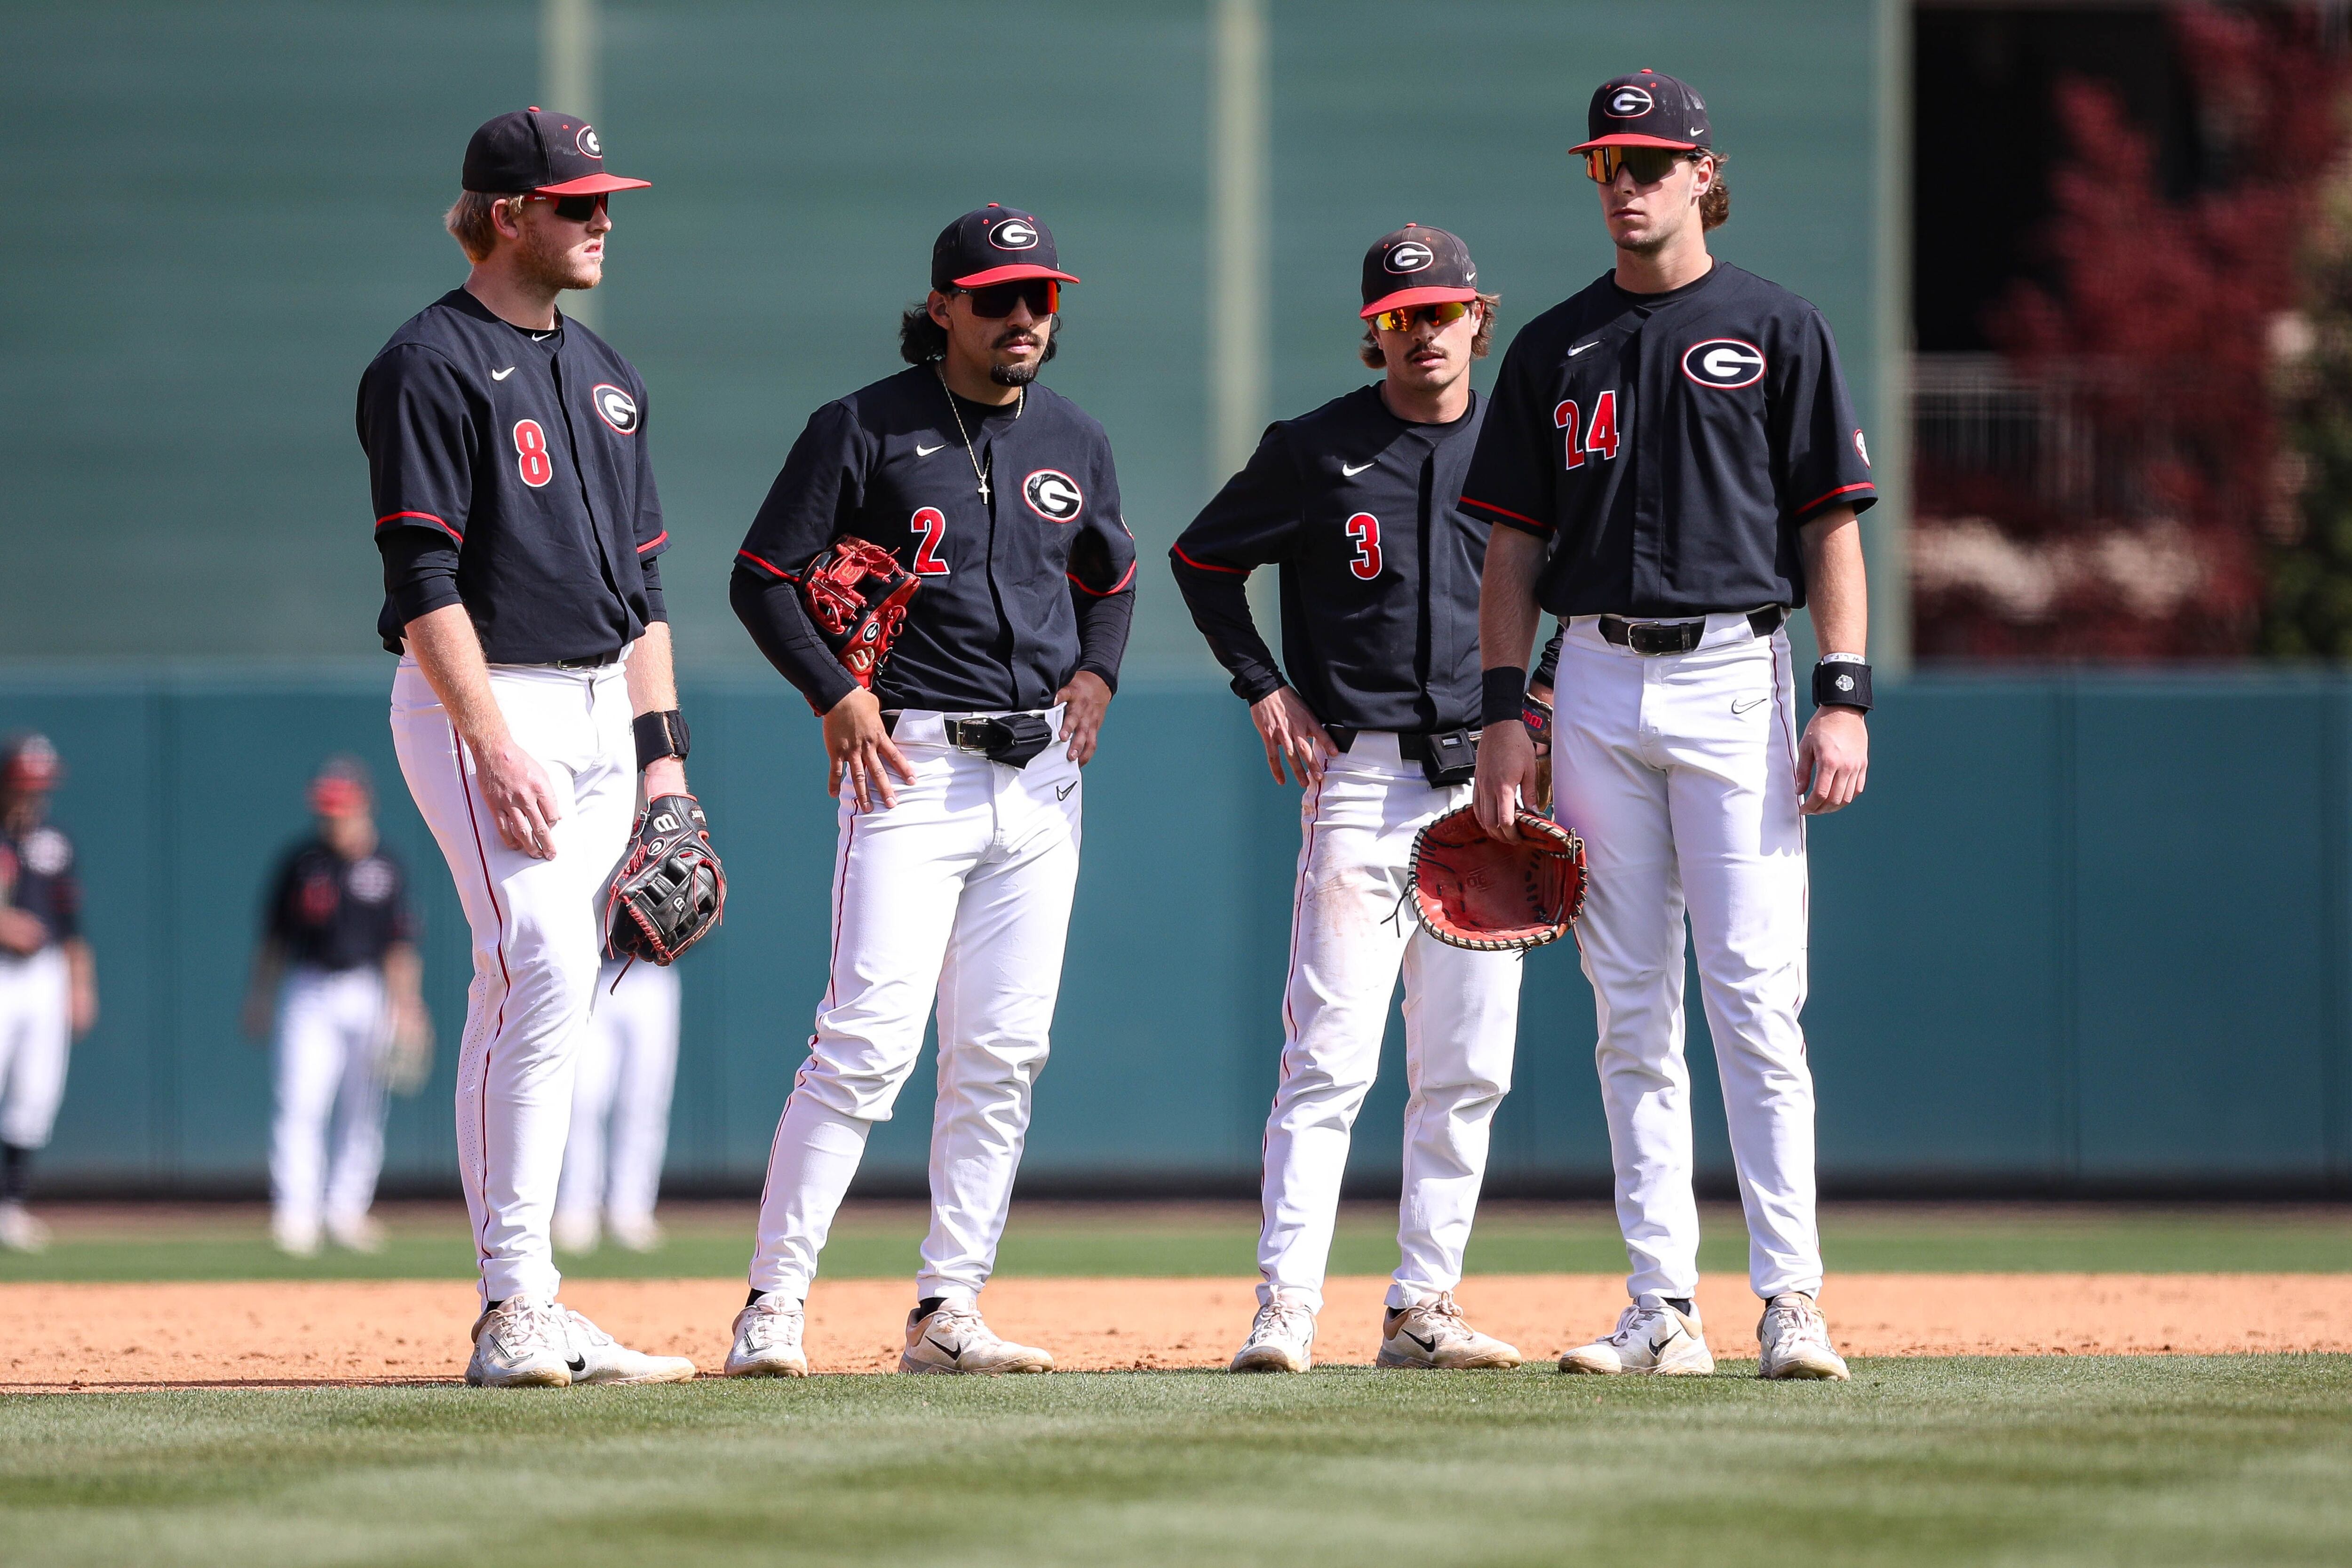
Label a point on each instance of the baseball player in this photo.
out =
(48, 980)
(519, 529)
(1675, 463)
(337, 966)
(957, 773)
(1376, 718)
(620, 1110)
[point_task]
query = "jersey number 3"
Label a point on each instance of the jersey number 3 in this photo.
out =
(1365, 530)
(530, 453)
(1600, 437)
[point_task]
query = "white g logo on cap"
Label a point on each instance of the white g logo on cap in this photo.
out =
(1630, 102)
(586, 142)
(1410, 257)
(1014, 234)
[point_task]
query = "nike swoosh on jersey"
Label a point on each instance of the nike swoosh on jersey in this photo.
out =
(1357, 468)
(502, 374)
(923, 451)
(1581, 347)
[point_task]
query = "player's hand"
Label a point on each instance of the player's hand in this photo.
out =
(1084, 701)
(859, 749)
(81, 1008)
(1832, 760)
(1507, 776)
(1290, 729)
(520, 801)
(23, 932)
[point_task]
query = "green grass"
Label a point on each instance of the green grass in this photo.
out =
(877, 1241)
(2027, 1461)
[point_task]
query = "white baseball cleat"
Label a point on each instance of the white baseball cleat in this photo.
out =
(1795, 1339)
(1650, 1337)
(596, 1357)
(768, 1340)
(574, 1231)
(1434, 1335)
(635, 1233)
(952, 1338)
(355, 1233)
(1281, 1338)
(521, 1344)
(294, 1238)
(20, 1231)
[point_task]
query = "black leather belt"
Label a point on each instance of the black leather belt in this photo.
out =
(1681, 636)
(1412, 745)
(594, 661)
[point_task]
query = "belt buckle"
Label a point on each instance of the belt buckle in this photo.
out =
(967, 734)
(1654, 637)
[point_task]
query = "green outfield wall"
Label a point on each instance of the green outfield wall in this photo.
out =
(2081, 932)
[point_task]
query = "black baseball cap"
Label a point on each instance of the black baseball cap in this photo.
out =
(537, 150)
(1646, 109)
(994, 244)
(1416, 265)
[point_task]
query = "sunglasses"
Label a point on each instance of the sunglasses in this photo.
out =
(993, 303)
(573, 209)
(1649, 164)
(1445, 314)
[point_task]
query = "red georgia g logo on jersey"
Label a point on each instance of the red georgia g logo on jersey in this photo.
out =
(615, 407)
(1725, 363)
(1053, 495)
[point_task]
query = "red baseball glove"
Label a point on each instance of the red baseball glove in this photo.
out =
(857, 592)
(1471, 890)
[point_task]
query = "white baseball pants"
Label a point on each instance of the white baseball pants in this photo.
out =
(1679, 771)
(334, 1027)
(628, 1065)
(963, 890)
(535, 929)
(1350, 936)
(35, 1038)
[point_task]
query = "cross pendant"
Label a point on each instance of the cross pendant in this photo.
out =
(983, 487)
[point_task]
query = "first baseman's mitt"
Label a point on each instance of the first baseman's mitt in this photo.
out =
(670, 890)
(858, 623)
(1476, 891)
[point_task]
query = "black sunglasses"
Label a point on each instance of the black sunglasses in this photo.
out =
(995, 303)
(573, 209)
(1649, 164)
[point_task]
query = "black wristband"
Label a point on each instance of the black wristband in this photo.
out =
(659, 735)
(1501, 693)
(1842, 684)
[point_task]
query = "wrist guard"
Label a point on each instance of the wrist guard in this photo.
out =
(1842, 683)
(1501, 693)
(659, 735)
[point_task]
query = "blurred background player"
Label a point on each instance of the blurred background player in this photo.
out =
(338, 968)
(48, 979)
(620, 1110)
(1379, 634)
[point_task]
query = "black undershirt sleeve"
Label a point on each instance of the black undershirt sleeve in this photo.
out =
(420, 570)
(656, 609)
(1546, 670)
(1250, 522)
(771, 610)
(1103, 624)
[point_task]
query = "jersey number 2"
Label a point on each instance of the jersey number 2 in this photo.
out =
(932, 524)
(1365, 530)
(1601, 439)
(530, 453)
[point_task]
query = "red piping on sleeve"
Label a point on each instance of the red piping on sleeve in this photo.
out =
(770, 566)
(655, 543)
(396, 516)
(1808, 508)
(1105, 592)
(1505, 511)
(1178, 551)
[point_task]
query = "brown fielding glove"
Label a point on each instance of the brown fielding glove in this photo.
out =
(670, 890)
(1475, 891)
(857, 592)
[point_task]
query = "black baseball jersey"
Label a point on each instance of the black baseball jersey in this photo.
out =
(1668, 445)
(37, 876)
(1019, 592)
(509, 473)
(1379, 566)
(333, 913)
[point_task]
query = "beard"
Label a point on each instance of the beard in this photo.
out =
(1014, 374)
(1022, 374)
(551, 265)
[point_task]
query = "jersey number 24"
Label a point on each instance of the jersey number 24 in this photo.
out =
(1599, 437)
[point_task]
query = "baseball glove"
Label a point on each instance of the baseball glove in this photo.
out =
(1476, 891)
(670, 888)
(859, 623)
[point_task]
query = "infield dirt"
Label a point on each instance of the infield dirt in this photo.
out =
(94, 1337)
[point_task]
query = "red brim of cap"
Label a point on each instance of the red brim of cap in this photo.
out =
(593, 185)
(1623, 140)
(1405, 297)
(1007, 274)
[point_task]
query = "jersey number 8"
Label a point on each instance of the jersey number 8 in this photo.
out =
(1600, 437)
(530, 453)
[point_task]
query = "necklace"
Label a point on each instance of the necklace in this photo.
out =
(1019, 404)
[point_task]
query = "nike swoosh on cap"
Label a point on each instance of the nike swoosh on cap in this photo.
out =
(1581, 347)
(502, 374)
(923, 451)
(1352, 472)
